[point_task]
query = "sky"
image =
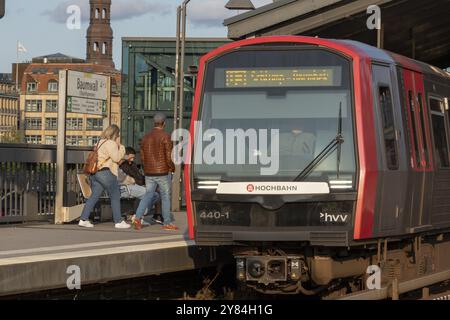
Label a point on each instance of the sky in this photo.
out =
(40, 25)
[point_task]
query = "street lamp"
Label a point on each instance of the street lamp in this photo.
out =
(2, 8)
(180, 53)
(179, 81)
(179, 95)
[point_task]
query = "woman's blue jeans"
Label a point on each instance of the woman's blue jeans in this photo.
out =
(101, 181)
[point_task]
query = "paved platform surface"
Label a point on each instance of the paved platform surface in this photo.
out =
(16, 240)
(37, 257)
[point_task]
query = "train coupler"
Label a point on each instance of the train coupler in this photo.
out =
(268, 269)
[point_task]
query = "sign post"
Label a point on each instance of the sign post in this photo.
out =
(61, 149)
(79, 92)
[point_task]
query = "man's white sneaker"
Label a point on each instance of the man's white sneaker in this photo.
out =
(144, 223)
(122, 225)
(85, 224)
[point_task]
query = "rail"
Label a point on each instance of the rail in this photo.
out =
(28, 181)
(395, 289)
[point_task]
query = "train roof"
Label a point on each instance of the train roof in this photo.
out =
(391, 57)
(359, 48)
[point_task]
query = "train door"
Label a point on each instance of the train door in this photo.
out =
(392, 181)
(421, 156)
(440, 130)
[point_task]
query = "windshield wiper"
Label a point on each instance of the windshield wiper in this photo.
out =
(339, 146)
(335, 143)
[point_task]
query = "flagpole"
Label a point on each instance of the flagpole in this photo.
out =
(17, 67)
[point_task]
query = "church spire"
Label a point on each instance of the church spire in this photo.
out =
(100, 34)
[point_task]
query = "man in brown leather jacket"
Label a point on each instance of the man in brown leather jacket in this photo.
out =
(156, 157)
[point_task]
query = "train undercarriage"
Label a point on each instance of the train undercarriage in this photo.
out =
(379, 269)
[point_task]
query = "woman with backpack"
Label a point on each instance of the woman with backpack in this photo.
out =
(103, 167)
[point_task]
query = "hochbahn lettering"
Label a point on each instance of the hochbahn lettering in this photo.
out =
(271, 188)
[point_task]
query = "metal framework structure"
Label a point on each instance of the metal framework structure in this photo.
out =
(28, 181)
(413, 28)
(179, 95)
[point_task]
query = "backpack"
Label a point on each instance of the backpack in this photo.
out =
(91, 165)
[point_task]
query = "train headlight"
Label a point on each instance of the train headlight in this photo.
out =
(240, 269)
(295, 273)
(256, 269)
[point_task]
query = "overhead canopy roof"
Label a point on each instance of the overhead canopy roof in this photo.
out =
(414, 28)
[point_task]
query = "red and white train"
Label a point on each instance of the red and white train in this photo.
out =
(362, 163)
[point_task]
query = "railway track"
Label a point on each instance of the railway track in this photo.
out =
(416, 289)
(184, 285)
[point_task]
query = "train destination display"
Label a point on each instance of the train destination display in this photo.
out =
(272, 77)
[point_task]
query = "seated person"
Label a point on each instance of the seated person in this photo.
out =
(132, 184)
(296, 149)
(297, 142)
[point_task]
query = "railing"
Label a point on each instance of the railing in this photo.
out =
(28, 181)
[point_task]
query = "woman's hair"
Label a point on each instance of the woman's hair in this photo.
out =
(111, 133)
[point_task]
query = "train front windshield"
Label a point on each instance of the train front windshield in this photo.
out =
(301, 97)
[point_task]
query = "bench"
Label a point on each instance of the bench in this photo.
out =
(128, 205)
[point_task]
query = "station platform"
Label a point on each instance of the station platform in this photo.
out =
(36, 257)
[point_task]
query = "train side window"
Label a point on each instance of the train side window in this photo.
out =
(414, 129)
(439, 132)
(422, 124)
(387, 117)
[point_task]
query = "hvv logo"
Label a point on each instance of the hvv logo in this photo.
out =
(333, 218)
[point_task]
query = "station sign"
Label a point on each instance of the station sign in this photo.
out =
(87, 93)
(87, 106)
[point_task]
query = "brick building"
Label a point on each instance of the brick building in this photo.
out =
(39, 105)
(39, 86)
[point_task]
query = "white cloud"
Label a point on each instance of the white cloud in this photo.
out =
(120, 9)
(127, 9)
(211, 13)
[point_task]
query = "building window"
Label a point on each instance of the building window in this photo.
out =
(33, 139)
(387, 118)
(33, 105)
(104, 14)
(92, 140)
(93, 124)
(33, 123)
(439, 132)
(95, 46)
(51, 106)
(31, 86)
(74, 140)
(97, 13)
(53, 86)
(50, 140)
(51, 123)
(104, 48)
(74, 124)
